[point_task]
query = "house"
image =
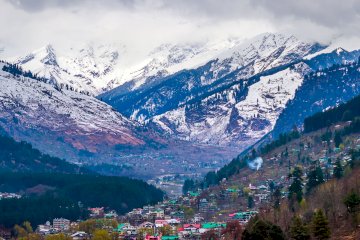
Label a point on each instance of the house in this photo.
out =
(178, 215)
(173, 221)
(203, 205)
(61, 224)
(213, 225)
(126, 228)
(243, 217)
(111, 214)
(96, 212)
(80, 236)
(159, 213)
(146, 225)
(44, 229)
(161, 223)
(152, 237)
(191, 228)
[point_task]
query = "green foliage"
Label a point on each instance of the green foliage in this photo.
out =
(189, 185)
(344, 112)
(337, 139)
(250, 201)
(326, 136)
(64, 191)
(20, 232)
(101, 234)
(36, 209)
(352, 202)
(355, 158)
(282, 140)
(59, 236)
(315, 178)
(296, 186)
(91, 225)
(276, 198)
(21, 157)
(298, 230)
(234, 167)
(142, 232)
(320, 226)
(165, 230)
(338, 169)
(261, 229)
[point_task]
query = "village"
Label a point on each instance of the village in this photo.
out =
(239, 198)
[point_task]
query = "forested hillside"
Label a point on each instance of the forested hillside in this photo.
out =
(349, 111)
(344, 112)
(51, 187)
(304, 184)
(22, 157)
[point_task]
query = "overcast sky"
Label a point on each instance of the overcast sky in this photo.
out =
(144, 24)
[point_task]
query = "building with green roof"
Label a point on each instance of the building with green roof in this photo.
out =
(169, 237)
(212, 225)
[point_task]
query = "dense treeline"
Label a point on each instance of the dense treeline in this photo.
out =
(17, 71)
(213, 178)
(349, 111)
(344, 112)
(320, 90)
(283, 139)
(228, 170)
(38, 210)
(52, 187)
(22, 157)
(119, 193)
(329, 208)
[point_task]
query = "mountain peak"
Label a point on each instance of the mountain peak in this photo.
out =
(339, 50)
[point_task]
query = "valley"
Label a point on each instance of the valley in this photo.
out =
(179, 120)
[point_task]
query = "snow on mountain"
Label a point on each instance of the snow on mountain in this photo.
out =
(86, 70)
(222, 119)
(331, 86)
(32, 110)
(240, 62)
(234, 99)
(95, 69)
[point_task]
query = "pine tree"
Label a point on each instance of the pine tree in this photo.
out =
(297, 184)
(298, 230)
(261, 229)
(276, 198)
(352, 202)
(233, 230)
(338, 169)
(320, 226)
(315, 178)
(250, 202)
(337, 139)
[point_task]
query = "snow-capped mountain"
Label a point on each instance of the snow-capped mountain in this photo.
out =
(232, 117)
(336, 81)
(47, 117)
(83, 129)
(95, 69)
(215, 98)
(240, 62)
(248, 110)
(87, 70)
(234, 99)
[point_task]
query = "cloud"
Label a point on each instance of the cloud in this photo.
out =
(144, 24)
